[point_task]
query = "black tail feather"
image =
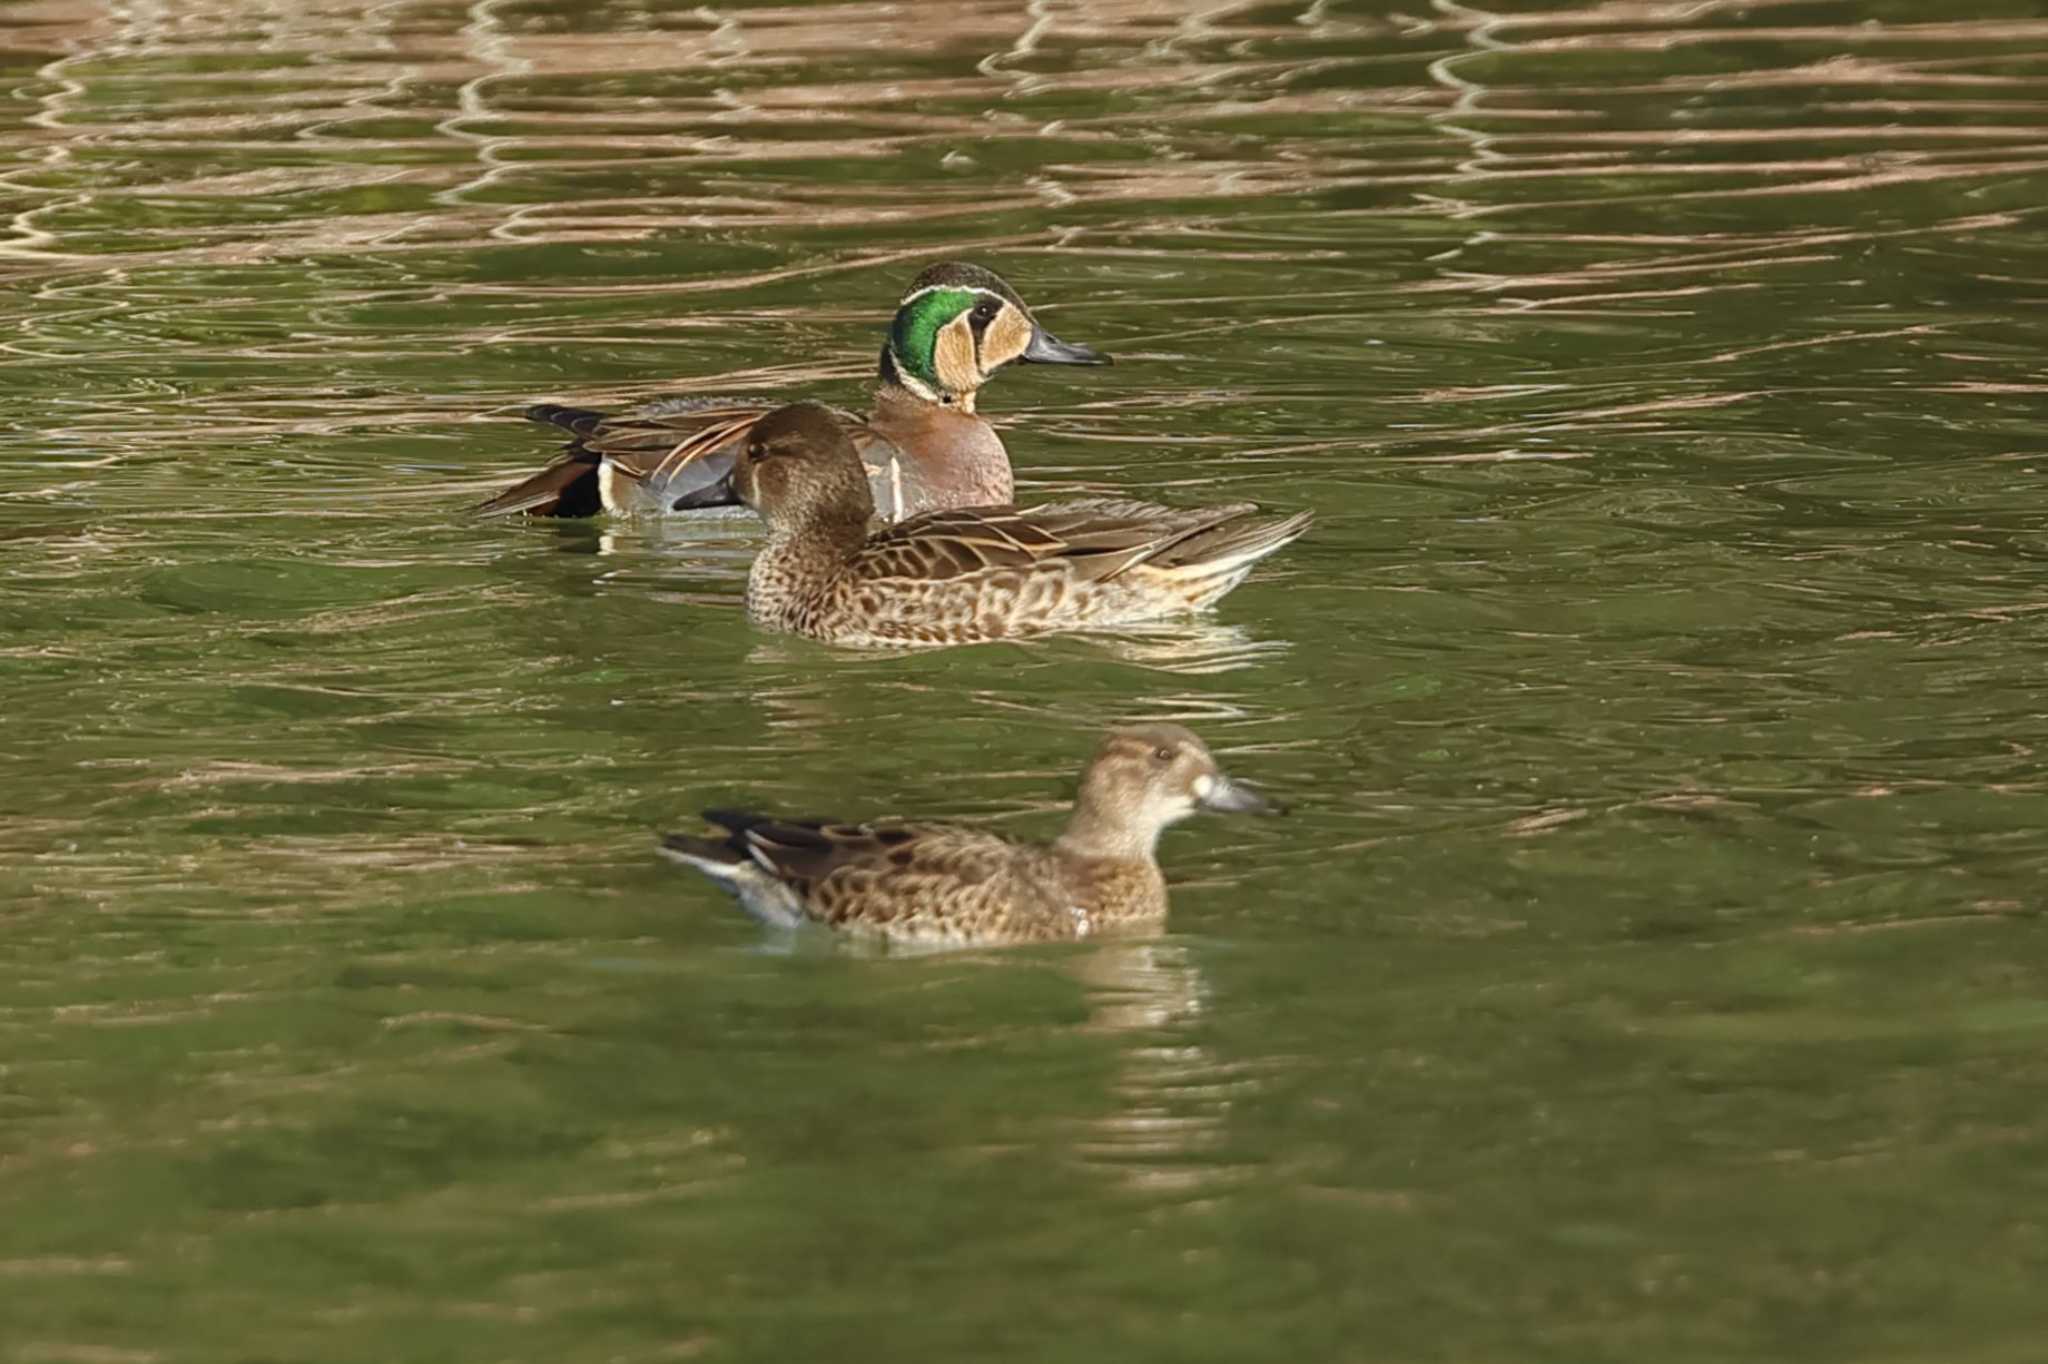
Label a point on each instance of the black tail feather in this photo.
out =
(580, 420)
(710, 849)
(735, 821)
(792, 831)
(568, 487)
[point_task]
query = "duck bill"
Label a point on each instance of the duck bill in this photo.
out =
(1229, 797)
(719, 494)
(1047, 349)
(706, 482)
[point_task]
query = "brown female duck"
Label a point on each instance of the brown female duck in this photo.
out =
(978, 573)
(932, 884)
(924, 445)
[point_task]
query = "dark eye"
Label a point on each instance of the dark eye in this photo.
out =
(986, 310)
(756, 453)
(1162, 755)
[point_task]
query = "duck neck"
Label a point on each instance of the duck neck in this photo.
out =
(803, 552)
(1110, 869)
(955, 456)
(900, 388)
(1109, 835)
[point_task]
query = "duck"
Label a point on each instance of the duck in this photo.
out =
(936, 884)
(970, 574)
(924, 444)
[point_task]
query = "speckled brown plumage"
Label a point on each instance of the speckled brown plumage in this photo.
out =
(924, 446)
(935, 884)
(971, 574)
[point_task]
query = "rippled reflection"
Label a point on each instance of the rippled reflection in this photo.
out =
(1659, 690)
(1174, 1096)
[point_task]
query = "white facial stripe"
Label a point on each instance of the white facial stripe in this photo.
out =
(911, 381)
(915, 294)
(1204, 784)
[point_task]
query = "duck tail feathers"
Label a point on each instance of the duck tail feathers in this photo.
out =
(1231, 547)
(726, 861)
(716, 858)
(579, 420)
(568, 487)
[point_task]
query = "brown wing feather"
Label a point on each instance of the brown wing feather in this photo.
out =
(708, 440)
(1234, 542)
(656, 441)
(1098, 538)
(952, 543)
(917, 880)
(568, 487)
(806, 851)
(1106, 537)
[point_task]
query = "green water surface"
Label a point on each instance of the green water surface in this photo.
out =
(1652, 969)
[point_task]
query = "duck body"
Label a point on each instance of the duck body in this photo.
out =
(675, 455)
(924, 445)
(932, 884)
(949, 885)
(988, 573)
(972, 574)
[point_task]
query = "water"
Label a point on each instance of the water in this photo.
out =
(1653, 967)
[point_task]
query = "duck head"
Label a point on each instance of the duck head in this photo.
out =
(799, 469)
(1146, 777)
(957, 325)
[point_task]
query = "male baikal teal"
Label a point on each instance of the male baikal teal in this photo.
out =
(924, 445)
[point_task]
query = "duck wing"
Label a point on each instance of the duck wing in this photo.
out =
(1096, 538)
(881, 875)
(955, 542)
(680, 450)
(803, 852)
(568, 487)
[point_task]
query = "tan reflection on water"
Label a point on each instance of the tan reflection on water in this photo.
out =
(246, 132)
(1168, 1134)
(362, 95)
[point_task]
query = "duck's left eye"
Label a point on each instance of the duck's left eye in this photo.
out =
(986, 310)
(1162, 755)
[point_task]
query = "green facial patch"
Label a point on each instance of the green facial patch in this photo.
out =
(914, 336)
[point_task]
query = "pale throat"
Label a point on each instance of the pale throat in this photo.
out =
(918, 388)
(1112, 834)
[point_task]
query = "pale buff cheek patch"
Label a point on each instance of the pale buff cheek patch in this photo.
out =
(953, 357)
(1204, 784)
(1005, 339)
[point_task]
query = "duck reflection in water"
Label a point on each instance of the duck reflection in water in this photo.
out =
(1168, 1131)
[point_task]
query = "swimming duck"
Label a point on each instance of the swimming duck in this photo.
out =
(934, 884)
(974, 573)
(924, 444)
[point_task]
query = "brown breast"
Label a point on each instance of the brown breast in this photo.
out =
(944, 457)
(1117, 891)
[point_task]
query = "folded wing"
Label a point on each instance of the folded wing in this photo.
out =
(1096, 538)
(679, 449)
